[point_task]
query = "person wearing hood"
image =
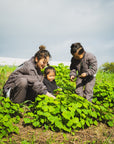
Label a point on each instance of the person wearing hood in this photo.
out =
(84, 67)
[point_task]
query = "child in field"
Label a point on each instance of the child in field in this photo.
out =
(49, 79)
(86, 65)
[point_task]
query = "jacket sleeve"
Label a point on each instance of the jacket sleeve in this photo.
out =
(73, 73)
(39, 88)
(34, 80)
(73, 68)
(92, 61)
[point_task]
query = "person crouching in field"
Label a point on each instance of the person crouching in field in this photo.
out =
(49, 79)
(86, 65)
(26, 82)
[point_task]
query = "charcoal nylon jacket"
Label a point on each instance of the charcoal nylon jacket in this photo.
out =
(51, 86)
(88, 65)
(34, 77)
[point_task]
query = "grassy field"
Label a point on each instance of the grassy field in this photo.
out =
(100, 131)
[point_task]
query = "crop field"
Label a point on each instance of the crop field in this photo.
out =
(68, 119)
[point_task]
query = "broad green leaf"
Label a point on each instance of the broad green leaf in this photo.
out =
(79, 111)
(87, 123)
(107, 117)
(75, 120)
(7, 105)
(79, 105)
(95, 123)
(45, 108)
(66, 129)
(36, 124)
(70, 123)
(47, 114)
(30, 114)
(79, 124)
(42, 121)
(51, 109)
(27, 120)
(85, 111)
(85, 105)
(46, 127)
(82, 122)
(94, 114)
(106, 105)
(83, 115)
(110, 123)
(66, 115)
(58, 124)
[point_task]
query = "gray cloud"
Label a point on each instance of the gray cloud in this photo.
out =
(24, 25)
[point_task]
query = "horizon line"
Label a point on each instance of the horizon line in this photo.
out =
(17, 61)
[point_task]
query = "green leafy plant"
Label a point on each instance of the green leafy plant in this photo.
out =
(68, 112)
(104, 94)
(10, 114)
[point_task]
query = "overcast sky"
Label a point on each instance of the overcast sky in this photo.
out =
(26, 24)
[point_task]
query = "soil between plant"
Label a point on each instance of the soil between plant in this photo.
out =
(101, 134)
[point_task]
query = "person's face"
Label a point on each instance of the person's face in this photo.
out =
(51, 76)
(78, 56)
(42, 62)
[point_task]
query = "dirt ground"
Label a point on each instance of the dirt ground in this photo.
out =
(100, 134)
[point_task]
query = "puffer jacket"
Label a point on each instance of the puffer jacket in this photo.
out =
(34, 77)
(88, 65)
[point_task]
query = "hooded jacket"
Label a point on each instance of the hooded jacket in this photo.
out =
(33, 75)
(88, 65)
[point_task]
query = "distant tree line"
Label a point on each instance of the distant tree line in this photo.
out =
(107, 67)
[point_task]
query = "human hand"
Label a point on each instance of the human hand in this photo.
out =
(83, 75)
(58, 90)
(71, 78)
(50, 95)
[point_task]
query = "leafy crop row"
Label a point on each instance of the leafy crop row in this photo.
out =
(68, 112)
(10, 114)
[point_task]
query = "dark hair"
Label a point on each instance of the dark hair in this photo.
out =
(75, 47)
(42, 53)
(48, 69)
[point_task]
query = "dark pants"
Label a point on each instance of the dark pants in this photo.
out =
(22, 91)
(84, 87)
